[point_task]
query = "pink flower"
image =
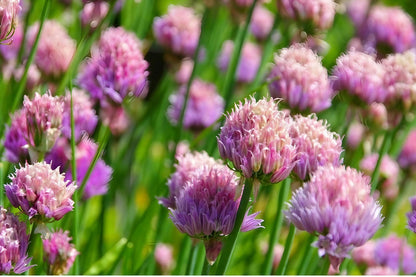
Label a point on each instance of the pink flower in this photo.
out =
(407, 157)
(60, 254)
(93, 12)
(164, 257)
(15, 138)
(178, 30)
(40, 192)
(261, 23)
(8, 16)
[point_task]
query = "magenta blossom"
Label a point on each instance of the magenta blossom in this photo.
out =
(9, 10)
(15, 138)
(40, 192)
(261, 22)
(411, 216)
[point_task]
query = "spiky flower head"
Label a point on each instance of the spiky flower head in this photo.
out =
(361, 76)
(400, 80)
(15, 138)
(256, 139)
(40, 192)
(407, 157)
(248, 64)
(55, 49)
(261, 23)
(203, 108)
(116, 68)
(85, 118)
(44, 121)
(389, 27)
(396, 254)
(207, 205)
(97, 183)
(60, 254)
(389, 172)
(337, 205)
(319, 12)
(300, 79)
(411, 216)
(13, 244)
(178, 30)
(9, 10)
(316, 145)
(188, 164)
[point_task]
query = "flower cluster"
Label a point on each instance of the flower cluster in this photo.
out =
(8, 18)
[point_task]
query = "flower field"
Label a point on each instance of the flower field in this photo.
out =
(208, 137)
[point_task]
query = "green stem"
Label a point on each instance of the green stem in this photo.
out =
(229, 244)
(281, 270)
(306, 256)
(384, 147)
(74, 177)
(192, 261)
(31, 242)
(235, 57)
(325, 267)
(277, 226)
(206, 268)
(184, 254)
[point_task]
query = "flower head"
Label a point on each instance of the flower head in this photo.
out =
(355, 134)
(85, 118)
(261, 23)
(116, 68)
(60, 254)
(389, 172)
(389, 27)
(207, 205)
(320, 12)
(360, 75)
(44, 120)
(203, 108)
(337, 205)
(411, 216)
(255, 138)
(15, 138)
(300, 79)
(407, 157)
(10, 49)
(184, 73)
(13, 244)
(178, 30)
(55, 48)
(40, 192)
(364, 254)
(164, 257)
(249, 61)
(400, 80)
(316, 145)
(93, 12)
(8, 18)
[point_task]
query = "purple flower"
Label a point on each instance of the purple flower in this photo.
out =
(178, 30)
(116, 68)
(97, 183)
(364, 254)
(336, 204)
(320, 12)
(10, 49)
(184, 73)
(60, 155)
(115, 117)
(8, 18)
(355, 135)
(55, 48)
(400, 80)
(407, 157)
(207, 206)
(389, 26)
(203, 108)
(60, 254)
(357, 11)
(389, 172)
(381, 270)
(85, 118)
(360, 75)
(300, 79)
(164, 257)
(93, 12)
(316, 145)
(13, 244)
(248, 64)
(188, 164)
(396, 254)
(44, 121)
(40, 192)
(411, 216)
(256, 139)
(15, 138)
(261, 23)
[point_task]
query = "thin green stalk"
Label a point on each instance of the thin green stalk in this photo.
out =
(184, 254)
(179, 126)
(325, 267)
(206, 267)
(75, 226)
(193, 259)
(22, 83)
(306, 256)
(230, 241)
(277, 226)
(31, 242)
(384, 147)
(235, 57)
(24, 38)
(281, 269)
